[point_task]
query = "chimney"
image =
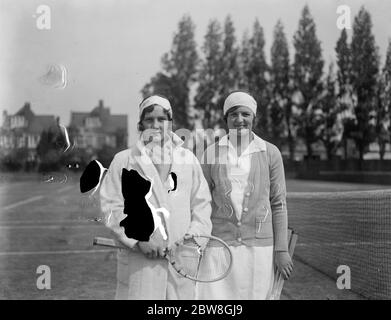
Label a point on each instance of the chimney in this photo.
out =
(100, 104)
(27, 106)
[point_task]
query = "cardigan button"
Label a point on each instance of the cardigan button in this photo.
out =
(245, 209)
(239, 239)
(239, 224)
(248, 194)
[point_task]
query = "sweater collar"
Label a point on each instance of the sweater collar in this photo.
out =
(174, 142)
(256, 145)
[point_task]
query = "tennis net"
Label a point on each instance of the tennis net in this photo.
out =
(346, 228)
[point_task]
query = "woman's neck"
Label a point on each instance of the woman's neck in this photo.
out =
(161, 143)
(240, 142)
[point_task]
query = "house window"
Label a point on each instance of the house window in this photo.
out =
(32, 141)
(113, 141)
(101, 140)
(92, 122)
(17, 122)
(110, 140)
(7, 140)
(81, 141)
(21, 142)
(89, 140)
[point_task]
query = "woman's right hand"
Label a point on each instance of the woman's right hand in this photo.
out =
(151, 250)
(155, 247)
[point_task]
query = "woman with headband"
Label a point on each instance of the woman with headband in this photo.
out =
(157, 157)
(246, 178)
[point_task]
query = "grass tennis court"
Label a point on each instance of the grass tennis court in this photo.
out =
(52, 224)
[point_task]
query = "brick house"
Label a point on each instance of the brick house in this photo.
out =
(23, 130)
(98, 128)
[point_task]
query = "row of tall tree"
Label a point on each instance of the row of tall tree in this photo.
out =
(296, 99)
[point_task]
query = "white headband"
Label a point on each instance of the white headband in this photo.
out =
(240, 99)
(164, 103)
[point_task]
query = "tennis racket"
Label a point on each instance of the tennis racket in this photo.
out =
(198, 258)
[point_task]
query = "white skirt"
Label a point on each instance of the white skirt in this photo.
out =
(251, 277)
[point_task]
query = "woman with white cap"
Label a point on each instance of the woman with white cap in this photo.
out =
(142, 271)
(246, 178)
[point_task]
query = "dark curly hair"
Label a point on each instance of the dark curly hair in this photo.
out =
(233, 109)
(149, 109)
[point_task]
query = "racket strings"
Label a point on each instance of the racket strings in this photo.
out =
(203, 260)
(186, 259)
(215, 262)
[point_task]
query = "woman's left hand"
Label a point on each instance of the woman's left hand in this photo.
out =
(284, 263)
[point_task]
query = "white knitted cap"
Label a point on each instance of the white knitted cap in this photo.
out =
(240, 99)
(163, 102)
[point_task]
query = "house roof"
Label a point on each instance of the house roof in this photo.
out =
(110, 122)
(35, 123)
(39, 123)
(26, 111)
(77, 118)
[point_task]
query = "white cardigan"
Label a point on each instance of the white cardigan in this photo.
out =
(190, 210)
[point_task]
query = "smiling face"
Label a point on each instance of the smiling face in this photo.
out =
(154, 123)
(240, 118)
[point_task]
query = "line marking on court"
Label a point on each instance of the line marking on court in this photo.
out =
(24, 253)
(50, 222)
(65, 189)
(338, 244)
(20, 203)
(51, 227)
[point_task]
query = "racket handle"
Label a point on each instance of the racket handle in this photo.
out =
(100, 241)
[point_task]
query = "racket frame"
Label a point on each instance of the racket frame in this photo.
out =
(107, 242)
(223, 244)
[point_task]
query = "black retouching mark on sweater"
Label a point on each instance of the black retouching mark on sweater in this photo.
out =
(175, 179)
(139, 223)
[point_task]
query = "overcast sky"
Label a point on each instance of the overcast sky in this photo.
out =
(112, 48)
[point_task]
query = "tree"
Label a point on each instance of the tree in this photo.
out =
(342, 50)
(207, 97)
(175, 91)
(255, 74)
(76, 159)
(365, 67)
(179, 71)
(383, 128)
(331, 128)
(281, 91)
(244, 59)
(230, 73)
(307, 75)
(50, 149)
(105, 155)
(15, 160)
(345, 98)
